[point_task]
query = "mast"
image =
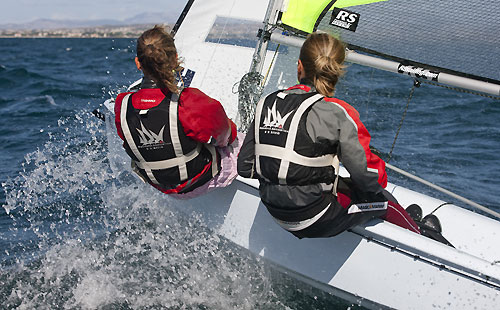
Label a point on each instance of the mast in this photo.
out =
(181, 17)
(250, 86)
(260, 49)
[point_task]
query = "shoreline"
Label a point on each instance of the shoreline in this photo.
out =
(105, 32)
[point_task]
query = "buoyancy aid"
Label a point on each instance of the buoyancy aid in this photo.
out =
(161, 152)
(284, 152)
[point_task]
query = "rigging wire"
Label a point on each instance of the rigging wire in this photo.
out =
(251, 85)
(217, 44)
(444, 191)
(270, 66)
(416, 84)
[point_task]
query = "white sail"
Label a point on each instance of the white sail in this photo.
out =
(219, 67)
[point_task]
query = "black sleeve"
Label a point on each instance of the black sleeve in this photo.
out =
(246, 157)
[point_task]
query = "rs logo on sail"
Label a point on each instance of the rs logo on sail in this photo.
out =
(344, 19)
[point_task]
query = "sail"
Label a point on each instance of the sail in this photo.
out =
(217, 40)
(302, 15)
(457, 37)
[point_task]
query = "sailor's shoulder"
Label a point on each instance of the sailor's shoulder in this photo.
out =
(120, 96)
(193, 98)
(192, 93)
(335, 102)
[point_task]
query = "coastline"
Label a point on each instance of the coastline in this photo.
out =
(130, 31)
(221, 30)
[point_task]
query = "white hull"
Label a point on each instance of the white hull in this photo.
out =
(378, 264)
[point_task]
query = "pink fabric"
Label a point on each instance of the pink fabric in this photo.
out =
(227, 173)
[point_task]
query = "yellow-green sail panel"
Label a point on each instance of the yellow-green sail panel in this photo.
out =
(303, 14)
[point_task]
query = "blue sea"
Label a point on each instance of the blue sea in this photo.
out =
(77, 234)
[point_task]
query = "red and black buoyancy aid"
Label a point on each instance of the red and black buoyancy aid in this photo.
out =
(161, 153)
(285, 154)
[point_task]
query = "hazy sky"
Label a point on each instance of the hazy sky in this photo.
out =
(21, 11)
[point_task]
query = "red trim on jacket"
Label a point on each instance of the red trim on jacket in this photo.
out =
(372, 160)
(179, 188)
(300, 86)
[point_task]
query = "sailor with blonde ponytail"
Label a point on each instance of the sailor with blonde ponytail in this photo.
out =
(177, 137)
(322, 57)
(296, 141)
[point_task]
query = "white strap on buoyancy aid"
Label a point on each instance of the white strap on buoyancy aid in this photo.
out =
(287, 154)
(130, 140)
(180, 160)
(174, 135)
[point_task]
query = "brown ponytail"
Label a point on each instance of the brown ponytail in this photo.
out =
(158, 57)
(322, 57)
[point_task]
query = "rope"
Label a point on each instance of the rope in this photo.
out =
(250, 88)
(249, 92)
(270, 66)
(416, 83)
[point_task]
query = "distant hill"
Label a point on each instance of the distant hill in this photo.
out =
(143, 18)
(152, 18)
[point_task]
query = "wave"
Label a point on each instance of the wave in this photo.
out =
(23, 73)
(90, 238)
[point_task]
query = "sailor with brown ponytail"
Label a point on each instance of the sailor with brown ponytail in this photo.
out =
(294, 146)
(177, 137)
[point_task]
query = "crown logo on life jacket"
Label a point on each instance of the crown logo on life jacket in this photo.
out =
(147, 137)
(274, 118)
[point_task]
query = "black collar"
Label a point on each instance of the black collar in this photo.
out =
(148, 82)
(309, 83)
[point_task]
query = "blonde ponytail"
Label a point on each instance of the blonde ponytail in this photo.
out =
(322, 57)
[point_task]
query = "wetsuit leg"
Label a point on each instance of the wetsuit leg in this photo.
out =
(397, 215)
(336, 220)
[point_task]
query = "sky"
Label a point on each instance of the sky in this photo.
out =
(22, 11)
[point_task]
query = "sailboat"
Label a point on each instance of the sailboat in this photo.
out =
(377, 265)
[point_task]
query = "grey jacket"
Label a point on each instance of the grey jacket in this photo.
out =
(336, 124)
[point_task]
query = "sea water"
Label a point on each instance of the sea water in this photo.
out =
(76, 232)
